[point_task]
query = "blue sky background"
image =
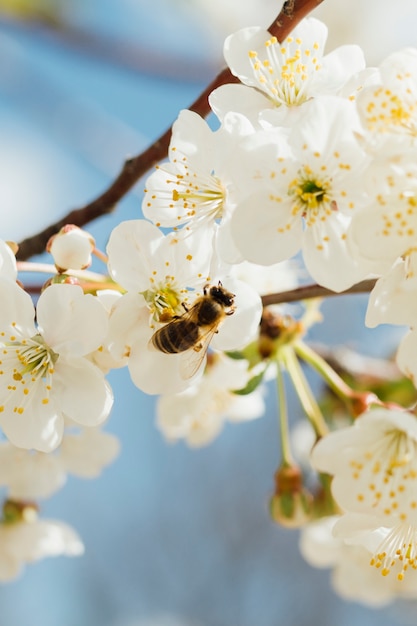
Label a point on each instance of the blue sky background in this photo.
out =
(173, 537)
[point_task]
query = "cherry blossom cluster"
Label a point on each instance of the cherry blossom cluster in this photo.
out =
(312, 155)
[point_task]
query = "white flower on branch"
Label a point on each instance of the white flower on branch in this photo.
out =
(305, 195)
(351, 576)
(45, 375)
(197, 188)
(164, 275)
(31, 539)
(374, 469)
(279, 77)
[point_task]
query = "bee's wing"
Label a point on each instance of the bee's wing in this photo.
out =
(194, 357)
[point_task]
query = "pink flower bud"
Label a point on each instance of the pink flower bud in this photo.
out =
(71, 248)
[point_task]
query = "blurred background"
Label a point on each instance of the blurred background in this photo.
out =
(174, 537)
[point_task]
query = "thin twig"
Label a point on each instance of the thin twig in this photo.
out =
(292, 12)
(315, 291)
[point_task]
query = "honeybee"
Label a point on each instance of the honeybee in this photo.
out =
(194, 329)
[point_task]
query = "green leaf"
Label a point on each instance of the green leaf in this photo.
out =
(237, 355)
(252, 384)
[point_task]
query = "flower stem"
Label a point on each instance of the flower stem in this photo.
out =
(358, 401)
(335, 382)
(101, 255)
(304, 393)
(49, 268)
(287, 458)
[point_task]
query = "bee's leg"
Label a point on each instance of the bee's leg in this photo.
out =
(185, 307)
(230, 312)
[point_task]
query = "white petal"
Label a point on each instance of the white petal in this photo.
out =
(236, 52)
(130, 250)
(239, 329)
(155, 372)
(7, 262)
(249, 102)
(128, 319)
(39, 426)
(71, 323)
(16, 311)
(317, 544)
(407, 356)
(42, 538)
(82, 391)
(328, 258)
(87, 453)
(393, 300)
(338, 66)
(264, 230)
(29, 475)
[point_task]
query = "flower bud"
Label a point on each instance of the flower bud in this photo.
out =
(290, 506)
(71, 248)
(15, 511)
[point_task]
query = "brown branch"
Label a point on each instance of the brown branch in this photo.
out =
(315, 291)
(292, 12)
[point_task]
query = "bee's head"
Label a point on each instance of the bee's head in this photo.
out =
(221, 295)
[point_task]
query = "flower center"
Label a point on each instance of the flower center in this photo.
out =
(207, 199)
(25, 364)
(311, 195)
(189, 194)
(34, 357)
(165, 301)
(285, 70)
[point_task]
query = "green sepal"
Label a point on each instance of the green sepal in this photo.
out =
(251, 385)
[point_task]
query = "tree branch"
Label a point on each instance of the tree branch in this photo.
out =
(315, 291)
(292, 12)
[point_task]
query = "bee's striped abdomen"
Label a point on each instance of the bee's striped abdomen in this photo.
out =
(176, 336)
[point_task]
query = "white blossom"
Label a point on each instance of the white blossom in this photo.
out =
(44, 374)
(352, 577)
(374, 468)
(279, 77)
(27, 541)
(164, 275)
(306, 194)
(197, 188)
